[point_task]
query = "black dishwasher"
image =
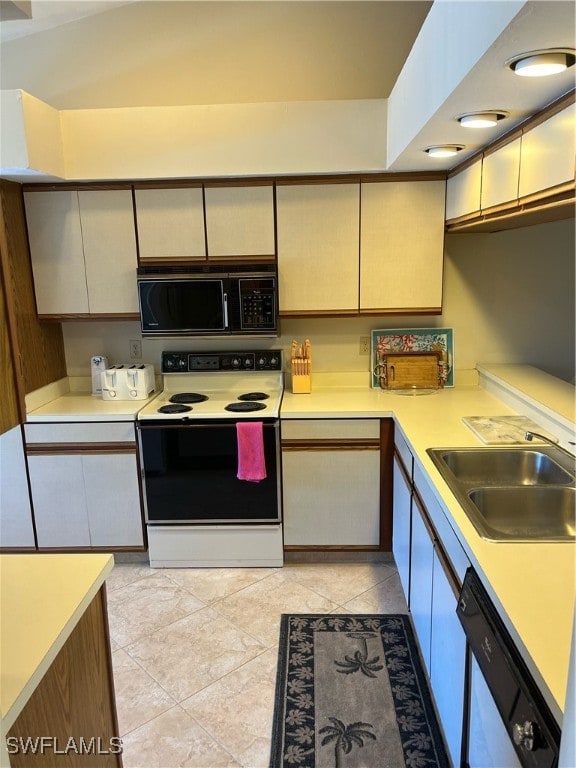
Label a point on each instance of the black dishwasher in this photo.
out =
(529, 724)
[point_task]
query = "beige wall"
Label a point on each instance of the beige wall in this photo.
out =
(509, 297)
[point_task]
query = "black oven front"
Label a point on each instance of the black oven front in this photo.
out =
(189, 473)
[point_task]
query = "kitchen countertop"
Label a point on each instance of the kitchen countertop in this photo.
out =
(43, 596)
(65, 400)
(532, 584)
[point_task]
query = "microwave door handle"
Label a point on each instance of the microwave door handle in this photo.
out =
(225, 310)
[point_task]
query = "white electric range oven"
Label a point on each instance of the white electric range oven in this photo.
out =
(199, 510)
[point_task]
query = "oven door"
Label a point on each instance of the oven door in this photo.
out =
(189, 474)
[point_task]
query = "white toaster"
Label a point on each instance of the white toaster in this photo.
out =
(128, 382)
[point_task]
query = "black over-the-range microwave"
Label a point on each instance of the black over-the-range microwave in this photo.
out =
(208, 301)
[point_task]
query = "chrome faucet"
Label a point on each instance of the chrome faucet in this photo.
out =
(531, 435)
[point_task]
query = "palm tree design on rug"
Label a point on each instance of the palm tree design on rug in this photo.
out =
(360, 661)
(345, 736)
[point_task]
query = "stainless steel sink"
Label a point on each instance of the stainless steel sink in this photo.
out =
(513, 494)
(526, 513)
(505, 467)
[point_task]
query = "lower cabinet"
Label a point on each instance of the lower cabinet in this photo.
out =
(447, 656)
(433, 571)
(85, 492)
(331, 483)
(421, 568)
(16, 528)
(401, 521)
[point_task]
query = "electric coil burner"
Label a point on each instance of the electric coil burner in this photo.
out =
(188, 397)
(245, 406)
(199, 509)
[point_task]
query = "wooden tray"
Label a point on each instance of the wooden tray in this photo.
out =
(410, 370)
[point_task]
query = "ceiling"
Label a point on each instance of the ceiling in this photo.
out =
(165, 53)
(131, 53)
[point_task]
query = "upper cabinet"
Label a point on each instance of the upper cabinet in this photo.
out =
(374, 247)
(523, 179)
(216, 221)
(548, 153)
(463, 192)
(83, 251)
(500, 174)
(402, 246)
(318, 235)
(240, 221)
(170, 223)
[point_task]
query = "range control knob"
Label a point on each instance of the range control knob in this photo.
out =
(248, 362)
(235, 362)
(524, 735)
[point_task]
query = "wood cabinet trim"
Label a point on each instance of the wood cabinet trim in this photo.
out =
(80, 316)
(328, 444)
(74, 449)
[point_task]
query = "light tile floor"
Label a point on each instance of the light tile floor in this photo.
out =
(194, 652)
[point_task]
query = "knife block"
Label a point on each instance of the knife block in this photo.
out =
(301, 384)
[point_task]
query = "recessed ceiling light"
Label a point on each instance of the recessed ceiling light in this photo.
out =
(444, 150)
(482, 119)
(542, 63)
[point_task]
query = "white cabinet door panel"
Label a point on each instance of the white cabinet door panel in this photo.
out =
(402, 245)
(57, 253)
(107, 220)
(463, 192)
(500, 175)
(240, 221)
(422, 560)
(171, 223)
(113, 500)
(447, 660)
(16, 528)
(331, 497)
(318, 234)
(59, 500)
(547, 155)
(401, 526)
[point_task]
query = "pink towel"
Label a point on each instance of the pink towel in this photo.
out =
(251, 463)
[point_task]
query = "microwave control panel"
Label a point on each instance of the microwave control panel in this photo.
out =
(257, 304)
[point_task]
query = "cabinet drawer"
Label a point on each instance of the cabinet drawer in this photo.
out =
(65, 432)
(450, 543)
(322, 429)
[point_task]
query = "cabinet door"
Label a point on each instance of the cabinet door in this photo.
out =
(15, 512)
(331, 497)
(500, 174)
(422, 561)
(548, 152)
(108, 234)
(59, 499)
(170, 223)
(57, 253)
(318, 235)
(402, 245)
(113, 499)
(463, 192)
(402, 511)
(447, 660)
(240, 221)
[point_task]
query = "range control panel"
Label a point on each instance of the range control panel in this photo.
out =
(255, 360)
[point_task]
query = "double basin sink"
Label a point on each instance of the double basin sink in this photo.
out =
(513, 494)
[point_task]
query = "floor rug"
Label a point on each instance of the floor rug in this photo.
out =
(351, 692)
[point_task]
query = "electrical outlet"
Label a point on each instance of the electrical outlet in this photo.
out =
(364, 345)
(135, 349)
